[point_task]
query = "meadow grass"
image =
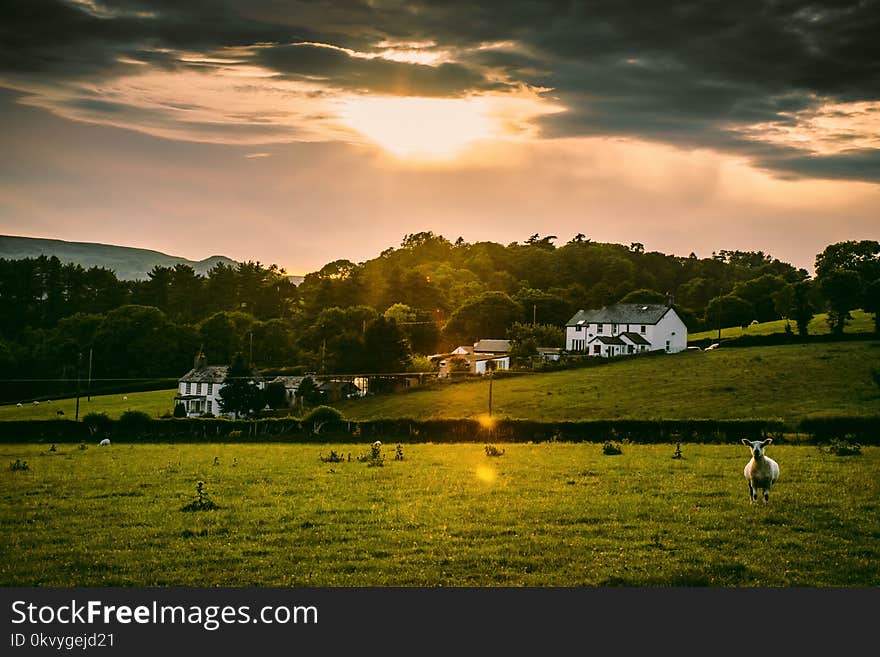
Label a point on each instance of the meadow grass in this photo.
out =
(789, 382)
(155, 403)
(548, 514)
(861, 322)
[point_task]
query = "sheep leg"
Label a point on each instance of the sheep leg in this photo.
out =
(766, 495)
(753, 493)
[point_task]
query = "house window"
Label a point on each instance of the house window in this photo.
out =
(187, 387)
(210, 388)
(643, 328)
(599, 328)
(210, 406)
(667, 345)
(613, 329)
(597, 349)
(578, 328)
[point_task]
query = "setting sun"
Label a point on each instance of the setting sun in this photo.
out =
(421, 128)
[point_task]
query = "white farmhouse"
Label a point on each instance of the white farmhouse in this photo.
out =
(483, 357)
(626, 328)
(199, 389)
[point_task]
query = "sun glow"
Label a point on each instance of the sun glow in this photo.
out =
(421, 128)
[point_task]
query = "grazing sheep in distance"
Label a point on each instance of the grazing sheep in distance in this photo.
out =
(105, 442)
(761, 471)
(125, 398)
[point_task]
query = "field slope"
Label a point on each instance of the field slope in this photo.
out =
(788, 382)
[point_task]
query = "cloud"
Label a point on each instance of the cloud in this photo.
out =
(745, 78)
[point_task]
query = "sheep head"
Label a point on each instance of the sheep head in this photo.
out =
(756, 447)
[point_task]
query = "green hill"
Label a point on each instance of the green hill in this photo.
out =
(862, 322)
(788, 382)
(127, 262)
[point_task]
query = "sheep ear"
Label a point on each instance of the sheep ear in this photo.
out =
(768, 441)
(746, 442)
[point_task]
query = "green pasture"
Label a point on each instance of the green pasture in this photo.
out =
(862, 322)
(548, 514)
(788, 382)
(155, 403)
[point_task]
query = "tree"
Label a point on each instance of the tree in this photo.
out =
(276, 395)
(862, 257)
(729, 310)
(871, 302)
(309, 392)
(486, 316)
(385, 347)
(841, 289)
(644, 296)
(240, 395)
(793, 302)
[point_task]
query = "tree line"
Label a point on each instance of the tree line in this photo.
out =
(386, 314)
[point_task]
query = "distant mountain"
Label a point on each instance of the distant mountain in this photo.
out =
(128, 263)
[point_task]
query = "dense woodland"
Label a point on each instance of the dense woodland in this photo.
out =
(384, 315)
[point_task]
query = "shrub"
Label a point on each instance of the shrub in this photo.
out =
(202, 501)
(611, 448)
(179, 410)
(842, 448)
(98, 424)
(321, 415)
(491, 450)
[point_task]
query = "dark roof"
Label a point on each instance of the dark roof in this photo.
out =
(208, 374)
(288, 381)
(608, 339)
(211, 374)
(621, 313)
(635, 338)
(492, 346)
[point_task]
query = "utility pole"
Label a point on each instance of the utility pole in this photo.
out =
(78, 364)
(89, 385)
(251, 363)
(491, 377)
(534, 312)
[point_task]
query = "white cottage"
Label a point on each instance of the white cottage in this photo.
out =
(626, 328)
(199, 389)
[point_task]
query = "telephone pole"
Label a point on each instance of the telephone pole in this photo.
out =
(78, 365)
(89, 384)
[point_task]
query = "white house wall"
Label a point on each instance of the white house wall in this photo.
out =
(670, 327)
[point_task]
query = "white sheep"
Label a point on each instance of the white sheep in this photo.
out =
(125, 398)
(105, 442)
(761, 471)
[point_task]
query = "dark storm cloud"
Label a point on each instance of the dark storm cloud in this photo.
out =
(695, 73)
(341, 69)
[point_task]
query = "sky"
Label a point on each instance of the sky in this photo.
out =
(298, 133)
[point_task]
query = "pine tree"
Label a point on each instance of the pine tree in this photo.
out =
(240, 395)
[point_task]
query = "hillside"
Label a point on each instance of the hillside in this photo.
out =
(788, 382)
(127, 262)
(861, 322)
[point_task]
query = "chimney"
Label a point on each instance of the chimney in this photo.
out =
(201, 360)
(670, 299)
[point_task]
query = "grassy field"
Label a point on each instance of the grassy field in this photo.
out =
(155, 403)
(788, 382)
(750, 382)
(861, 322)
(548, 514)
